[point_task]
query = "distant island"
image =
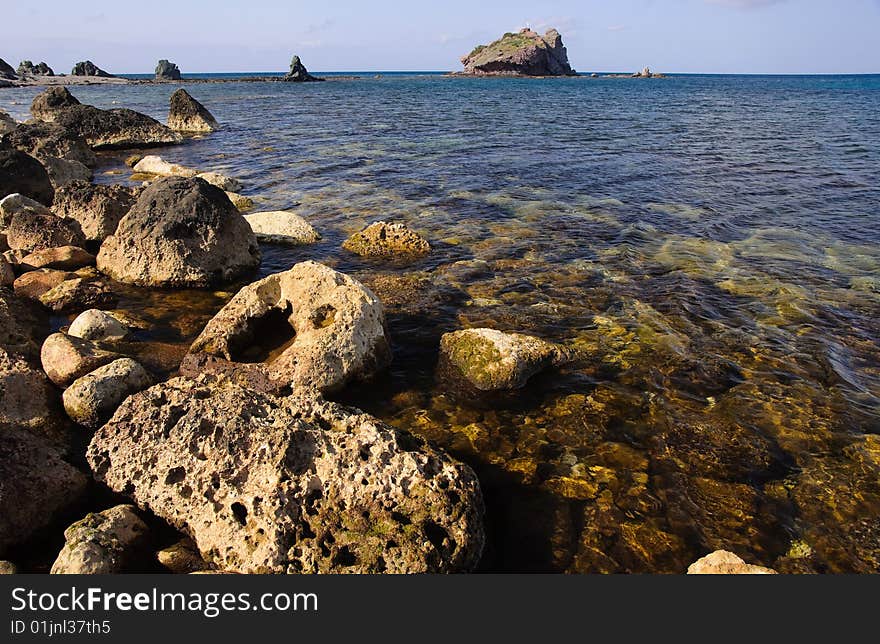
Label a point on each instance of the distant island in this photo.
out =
(525, 53)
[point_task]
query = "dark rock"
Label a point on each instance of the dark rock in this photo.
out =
(97, 208)
(43, 140)
(188, 115)
(522, 54)
(167, 71)
(23, 326)
(50, 102)
(22, 173)
(27, 68)
(88, 68)
(6, 71)
(298, 72)
(30, 232)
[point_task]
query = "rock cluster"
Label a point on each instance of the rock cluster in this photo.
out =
(521, 54)
(88, 68)
(27, 68)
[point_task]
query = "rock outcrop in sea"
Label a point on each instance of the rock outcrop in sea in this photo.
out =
(167, 71)
(298, 72)
(526, 53)
(387, 239)
(88, 68)
(186, 114)
(27, 68)
(6, 71)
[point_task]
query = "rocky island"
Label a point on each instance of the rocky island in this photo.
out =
(525, 53)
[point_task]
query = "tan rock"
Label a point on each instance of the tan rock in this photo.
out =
(102, 543)
(97, 326)
(96, 208)
(34, 283)
(282, 227)
(183, 558)
(223, 182)
(65, 358)
(384, 239)
(61, 258)
(156, 165)
(79, 294)
(722, 562)
(91, 400)
(7, 273)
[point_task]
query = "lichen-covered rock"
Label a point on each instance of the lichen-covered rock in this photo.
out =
(521, 54)
(227, 184)
(97, 326)
(98, 209)
(282, 227)
(492, 360)
(722, 562)
(22, 173)
(188, 115)
(46, 140)
(166, 71)
(103, 543)
(180, 233)
(79, 294)
(65, 358)
(34, 283)
(62, 258)
(309, 327)
(88, 68)
(182, 558)
(30, 232)
(36, 486)
(383, 239)
(15, 203)
(91, 400)
(267, 484)
(156, 165)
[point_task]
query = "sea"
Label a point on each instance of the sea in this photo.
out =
(710, 246)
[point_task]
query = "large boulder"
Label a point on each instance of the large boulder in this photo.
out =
(521, 54)
(180, 233)
(384, 239)
(309, 327)
(48, 140)
(22, 173)
(91, 400)
(282, 227)
(27, 68)
(36, 486)
(491, 360)
(188, 115)
(98, 209)
(31, 232)
(51, 102)
(88, 68)
(167, 71)
(722, 562)
(298, 72)
(103, 543)
(266, 484)
(66, 359)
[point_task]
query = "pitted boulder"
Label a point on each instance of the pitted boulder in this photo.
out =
(310, 327)
(97, 208)
(102, 543)
(265, 484)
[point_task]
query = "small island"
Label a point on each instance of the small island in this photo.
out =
(525, 53)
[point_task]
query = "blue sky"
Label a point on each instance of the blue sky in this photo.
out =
(721, 36)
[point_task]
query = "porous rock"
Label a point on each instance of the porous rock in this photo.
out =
(102, 543)
(92, 399)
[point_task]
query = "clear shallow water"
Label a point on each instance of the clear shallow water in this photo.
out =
(710, 243)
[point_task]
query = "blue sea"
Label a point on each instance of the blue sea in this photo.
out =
(711, 245)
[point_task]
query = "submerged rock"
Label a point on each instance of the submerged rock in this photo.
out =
(180, 233)
(102, 543)
(384, 239)
(96, 208)
(65, 358)
(167, 71)
(309, 327)
(23, 174)
(282, 227)
(88, 68)
(97, 326)
(298, 72)
(722, 562)
(188, 115)
(521, 54)
(91, 400)
(289, 485)
(156, 165)
(492, 360)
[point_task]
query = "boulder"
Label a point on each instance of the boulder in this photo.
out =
(48, 140)
(182, 558)
(188, 115)
(63, 172)
(65, 358)
(180, 233)
(491, 360)
(6, 71)
(33, 284)
(722, 562)
(383, 239)
(22, 173)
(62, 258)
(97, 326)
(36, 486)
(31, 232)
(79, 294)
(7, 273)
(309, 327)
(7, 123)
(88, 68)
(298, 73)
(521, 54)
(96, 208)
(166, 71)
(27, 68)
(51, 102)
(91, 400)
(103, 543)
(282, 227)
(266, 484)
(15, 203)
(156, 165)
(227, 184)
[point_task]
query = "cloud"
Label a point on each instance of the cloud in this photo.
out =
(745, 4)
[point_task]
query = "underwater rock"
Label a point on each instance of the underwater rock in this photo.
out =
(493, 360)
(32, 232)
(180, 233)
(22, 173)
(98, 209)
(384, 239)
(97, 326)
(167, 71)
(281, 227)
(321, 328)
(521, 54)
(102, 543)
(722, 562)
(61, 258)
(289, 485)
(65, 358)
(188, 115)
(91, 400)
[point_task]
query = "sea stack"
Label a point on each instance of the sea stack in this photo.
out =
(27, 68)
(167, 71)
(88, 68)
(6, 71)
(298, 73)
(521, 54)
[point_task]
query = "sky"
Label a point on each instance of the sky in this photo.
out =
(674, 36)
